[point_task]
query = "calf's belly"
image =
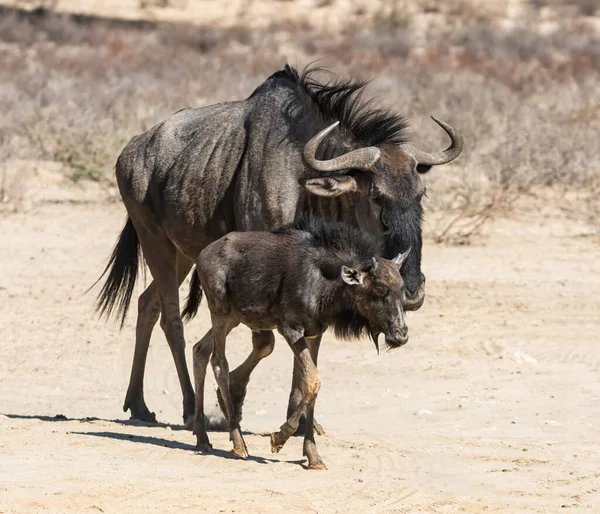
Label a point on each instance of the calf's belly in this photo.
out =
(256, 320)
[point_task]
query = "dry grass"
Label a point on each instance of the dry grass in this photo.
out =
(75, 89)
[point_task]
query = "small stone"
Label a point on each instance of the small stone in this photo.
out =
(423, 412)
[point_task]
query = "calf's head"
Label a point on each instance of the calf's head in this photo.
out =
(380, 297)
(386, 189)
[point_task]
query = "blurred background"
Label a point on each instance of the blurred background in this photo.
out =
(519, 78)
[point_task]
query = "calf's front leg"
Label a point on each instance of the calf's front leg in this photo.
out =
(309, 385)
(313, 344)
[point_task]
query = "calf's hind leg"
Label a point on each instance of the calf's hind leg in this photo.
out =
(202, 352)
(222, 325)
(263, 343)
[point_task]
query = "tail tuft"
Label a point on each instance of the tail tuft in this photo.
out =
(194, 298)
(115, 295)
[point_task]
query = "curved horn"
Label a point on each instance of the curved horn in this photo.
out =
(433, 159)
(373, 264)
(401, 257)
(362, 159)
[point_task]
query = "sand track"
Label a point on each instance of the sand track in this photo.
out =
(493, 405)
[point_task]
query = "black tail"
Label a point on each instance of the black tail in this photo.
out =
(194, 298)
(123, 264)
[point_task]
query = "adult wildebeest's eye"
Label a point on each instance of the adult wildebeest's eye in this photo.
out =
(384, 220)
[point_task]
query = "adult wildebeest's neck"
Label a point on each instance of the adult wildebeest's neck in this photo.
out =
(339, 208)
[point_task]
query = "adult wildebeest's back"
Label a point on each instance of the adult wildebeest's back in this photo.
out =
(255, 165)
(183, 167)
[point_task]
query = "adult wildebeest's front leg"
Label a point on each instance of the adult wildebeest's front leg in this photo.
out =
(263, 343)
(309, 385)
(222, 325)
(314, 343)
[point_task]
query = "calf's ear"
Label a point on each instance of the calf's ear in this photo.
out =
(333, 185)
(352, 276)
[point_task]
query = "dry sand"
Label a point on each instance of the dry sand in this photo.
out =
(493, 406)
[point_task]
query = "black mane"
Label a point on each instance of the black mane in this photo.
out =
(341, 100)
(337, 239)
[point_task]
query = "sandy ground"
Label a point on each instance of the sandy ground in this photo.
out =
(491, 407)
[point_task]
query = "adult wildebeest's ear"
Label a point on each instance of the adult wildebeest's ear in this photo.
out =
(423, 168)
(334, 185)
(352, 276)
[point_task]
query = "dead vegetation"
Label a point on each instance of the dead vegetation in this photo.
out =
(74, 89)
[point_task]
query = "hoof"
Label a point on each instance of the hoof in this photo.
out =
(275, 447)
(240, 453)
(204, 447)
(317, 465)
(139, 411)
(319, 430)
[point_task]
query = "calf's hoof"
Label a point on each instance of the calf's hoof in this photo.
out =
(314, 459)
(276, 444)
(239, 445)
(240, 453)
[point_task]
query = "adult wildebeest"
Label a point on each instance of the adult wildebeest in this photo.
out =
(300, 279)
(255, 165)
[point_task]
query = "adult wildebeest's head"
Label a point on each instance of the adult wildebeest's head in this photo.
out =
(380, 297)
(369, 161)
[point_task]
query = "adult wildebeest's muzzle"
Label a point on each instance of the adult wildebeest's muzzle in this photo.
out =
(413, 301)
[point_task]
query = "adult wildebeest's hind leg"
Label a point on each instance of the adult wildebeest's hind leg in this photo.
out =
(168, 268)
(263, 343)
(148, 312)
(314, 344)
(221, 326)
(309, 385)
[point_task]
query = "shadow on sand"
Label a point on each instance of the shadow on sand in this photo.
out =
(155, 441)
(125, 422)
(167, 443)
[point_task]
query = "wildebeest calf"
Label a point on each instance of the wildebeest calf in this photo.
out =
(300, 279)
